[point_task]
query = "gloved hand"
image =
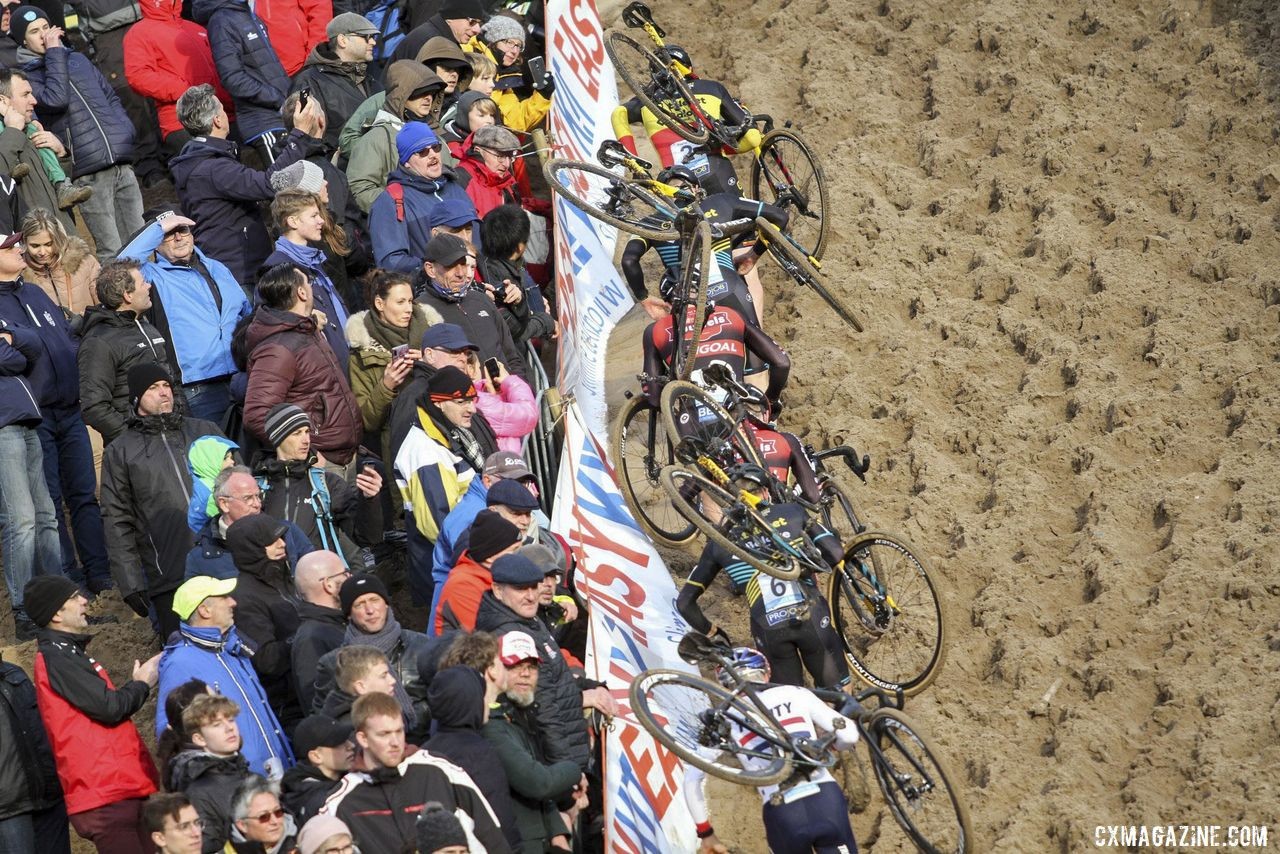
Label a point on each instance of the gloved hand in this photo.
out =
(775, 409)
(546, 85)
(139, 602)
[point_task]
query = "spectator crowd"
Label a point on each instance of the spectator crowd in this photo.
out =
(315, 348)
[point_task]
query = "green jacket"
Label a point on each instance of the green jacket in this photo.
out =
(535, 784)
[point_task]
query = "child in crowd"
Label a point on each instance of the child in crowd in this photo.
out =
(210, 770)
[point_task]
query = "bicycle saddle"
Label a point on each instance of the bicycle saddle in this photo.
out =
(612, 153)
(637, 14)
(696, 647)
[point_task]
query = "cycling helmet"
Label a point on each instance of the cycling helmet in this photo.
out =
(749, 663)
(679, 173)
(681, 56)
(749, 472)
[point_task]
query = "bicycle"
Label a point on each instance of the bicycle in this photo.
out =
(709, 726)
(784, 169)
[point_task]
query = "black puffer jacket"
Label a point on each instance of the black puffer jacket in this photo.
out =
(559, 696)
(146, 487)
(28, 775)
(340, 86)
(303, 790)
(320, 630)
(247, 65)
(266, 613)
(457, 702)
(404, 666)
(112, 342)
(77, 103)
(209, 782)
(288, 495)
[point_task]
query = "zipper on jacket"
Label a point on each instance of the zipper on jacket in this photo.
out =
(176, 469)
(249, 706)
(111, 155)
(147, 338)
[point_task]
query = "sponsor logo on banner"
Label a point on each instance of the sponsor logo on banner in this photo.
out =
(634, 627)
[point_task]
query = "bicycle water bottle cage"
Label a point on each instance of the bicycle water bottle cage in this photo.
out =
(637, 14)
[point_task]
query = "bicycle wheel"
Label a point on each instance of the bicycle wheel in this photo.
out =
(692, 296)
(691, 412)
(917, 786)
(640, 451)
(895, 640)
(787, 174)
(729, 522)
(704, 725)
(612, 198)
(658, 87)
(797, 265)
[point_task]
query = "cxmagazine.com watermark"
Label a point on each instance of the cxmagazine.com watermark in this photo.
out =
(1180, 836)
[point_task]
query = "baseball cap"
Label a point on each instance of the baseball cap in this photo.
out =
(319, 731)
(515, 647)
(506, 465)
(445, 249)
(511, 493)
(446, 336)
(350, 24)
(197, 589)
(453, 213)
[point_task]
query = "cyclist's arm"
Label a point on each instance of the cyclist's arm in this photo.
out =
(654, 365)
(622, 118)
(709, 565)
(750, 208)
(631, 271)
(732, 113)
(825, 719)
(802, 469)
(827, 541)
(772, 354)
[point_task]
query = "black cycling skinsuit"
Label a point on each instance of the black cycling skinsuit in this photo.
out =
(790, 620)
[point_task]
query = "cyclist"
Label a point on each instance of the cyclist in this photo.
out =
(725, 284)
(711, 167)
(813, 816)
(790, 620)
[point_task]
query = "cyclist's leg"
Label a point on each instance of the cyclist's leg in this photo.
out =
(778, 646)
(816, 823)
(821, 647)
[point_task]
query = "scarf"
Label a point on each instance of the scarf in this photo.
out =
(385, 642)
(384, 333)
(461, 440)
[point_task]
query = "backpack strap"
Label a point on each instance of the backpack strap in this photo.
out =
(321, 504)
(396, 190)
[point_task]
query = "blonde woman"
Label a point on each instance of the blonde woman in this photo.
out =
(63, 266)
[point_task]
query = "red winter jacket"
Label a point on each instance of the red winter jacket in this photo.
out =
(165, 55)
(101, 758)
(460, 598)
(486, 190)
(294, 28)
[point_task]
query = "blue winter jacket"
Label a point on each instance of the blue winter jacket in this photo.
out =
(222, 195)
(226, 665)
(247, 64)
(74, 101)
(17, 401)
(54, 376)
(400, 244)
(443, 556)
(210, 556)
(185, 310)
(327, 298)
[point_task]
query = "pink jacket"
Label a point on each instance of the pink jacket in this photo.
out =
(512, 412)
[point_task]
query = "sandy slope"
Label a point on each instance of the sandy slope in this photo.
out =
(1058, 219)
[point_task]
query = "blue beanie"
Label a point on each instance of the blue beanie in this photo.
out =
(414, 137)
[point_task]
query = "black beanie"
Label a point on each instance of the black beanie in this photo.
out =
(282, 420)
(490, 534)
(22, 17)
(449, 383)
(358, 585)
(45, 595)
(142, 377)
(462, 9)
(438, 828)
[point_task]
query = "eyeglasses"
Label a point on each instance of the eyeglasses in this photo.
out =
(432, 149)
(266, 817)
(187, 826)
(177, 230)
(251, 498)
(349, 848)
(474, 22)
(369, 37)
(501, 155)
(346, 573)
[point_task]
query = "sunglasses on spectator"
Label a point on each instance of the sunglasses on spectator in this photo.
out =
(369, 37)
(433, 149)
(268, 816)
(177, 230)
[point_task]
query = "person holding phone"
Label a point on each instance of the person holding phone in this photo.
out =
(521, 88)
(506, 401)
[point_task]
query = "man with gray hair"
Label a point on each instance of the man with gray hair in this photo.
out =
(259, 823)
(219, 192)
(114, 337)
(322, 626)
(237, 495)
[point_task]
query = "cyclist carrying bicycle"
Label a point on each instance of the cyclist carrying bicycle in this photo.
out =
(725, 284)
(813, 816)
(790, 620)
(711, 167)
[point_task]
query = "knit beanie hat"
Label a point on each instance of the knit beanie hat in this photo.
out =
(45, 595)
(501, 27)
(438, 828)
(282, 420)
(300, 175)
(490, 534)
(462, 9)
(414, 137)
(142, 377)
(21, 18)
(449, 383)
(358, 585)
(318, 830)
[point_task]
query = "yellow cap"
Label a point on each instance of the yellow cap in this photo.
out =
(195, 590)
